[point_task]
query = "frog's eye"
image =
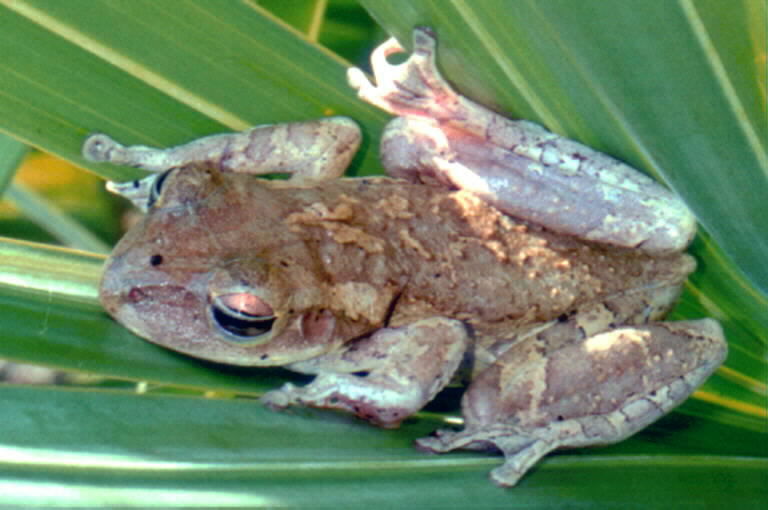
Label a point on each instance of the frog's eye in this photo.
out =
(244, 316)
(157, 187)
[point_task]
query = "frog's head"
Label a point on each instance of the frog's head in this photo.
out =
(218, 276)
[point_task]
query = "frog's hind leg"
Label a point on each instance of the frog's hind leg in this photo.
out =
(518, 166)
(320, 149)
(599, 390)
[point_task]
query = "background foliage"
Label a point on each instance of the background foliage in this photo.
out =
(676, 89)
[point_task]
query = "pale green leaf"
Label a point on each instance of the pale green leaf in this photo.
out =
(195, 68)
(134, 451)
(54, 220)
(11, 155)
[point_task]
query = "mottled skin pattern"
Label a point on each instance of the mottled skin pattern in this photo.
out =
(353, 247)
(383, 288)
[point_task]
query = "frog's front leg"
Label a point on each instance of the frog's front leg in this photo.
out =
(320, 149)
(312, 150)
(599, 390)
(383, 378)
(518, 166)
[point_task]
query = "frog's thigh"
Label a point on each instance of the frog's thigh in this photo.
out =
(596, 391)
(319, 149)
(383, 378)
(408, 149)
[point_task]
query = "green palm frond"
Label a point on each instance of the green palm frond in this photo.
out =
(675, 88)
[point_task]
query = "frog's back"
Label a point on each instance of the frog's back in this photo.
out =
(452, 254)
(477, 263)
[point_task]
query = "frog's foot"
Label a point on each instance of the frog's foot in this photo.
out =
(383, 378)
(520, 451)
(414, 88)
(99, 147)
(599, 390)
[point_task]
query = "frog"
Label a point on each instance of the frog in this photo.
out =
(529, 268)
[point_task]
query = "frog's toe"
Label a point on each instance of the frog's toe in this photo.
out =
(446, 440)
(441, 441)
(506, 475)
(521, 451)
(496, 437)
(98, 147)
(280, 398)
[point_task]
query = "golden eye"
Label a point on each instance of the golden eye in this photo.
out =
(244, 316)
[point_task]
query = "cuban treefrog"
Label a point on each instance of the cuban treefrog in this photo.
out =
(530, 266)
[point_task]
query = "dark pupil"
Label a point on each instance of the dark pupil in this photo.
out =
(241, 326)
(157, 187)
(239, 322)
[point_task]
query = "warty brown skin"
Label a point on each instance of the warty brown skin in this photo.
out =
(370, 252)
